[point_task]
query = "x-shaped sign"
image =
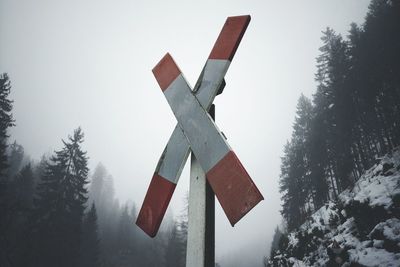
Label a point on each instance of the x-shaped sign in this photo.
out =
(197, 132)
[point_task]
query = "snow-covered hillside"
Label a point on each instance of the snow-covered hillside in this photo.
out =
(362, 228)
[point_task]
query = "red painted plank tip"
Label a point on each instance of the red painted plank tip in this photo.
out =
(166, 71)
(229, 38)
(155, 204)
(235, 190)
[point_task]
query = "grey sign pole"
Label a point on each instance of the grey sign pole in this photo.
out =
(201, 229)
(210, 213)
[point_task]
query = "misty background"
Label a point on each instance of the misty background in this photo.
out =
(89, 64)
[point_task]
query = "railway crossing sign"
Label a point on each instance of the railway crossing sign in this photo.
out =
(197, 132)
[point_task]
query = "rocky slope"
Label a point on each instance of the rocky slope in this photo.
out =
(361, 228)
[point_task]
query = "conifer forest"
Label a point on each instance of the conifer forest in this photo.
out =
(53, 213)
(350, 124)
(339, 179)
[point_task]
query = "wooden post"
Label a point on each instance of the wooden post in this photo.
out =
(210, 214)
(201, 229)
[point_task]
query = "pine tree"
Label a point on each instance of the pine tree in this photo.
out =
(360, 152)
(334, 108)
(290, 190)
(22, 191)
(270, 260)
(300, 145)
(97, 184)
(295, 183)
(275, 239)
(318, 159)
(24, 187)
(173, 253)
(90, 249)
(16, 156)
(183, 230)
(324, 101)
(7, 203)
(39, 169)
(6, 120)
(61, 204)
(125, 249)
(101, 191)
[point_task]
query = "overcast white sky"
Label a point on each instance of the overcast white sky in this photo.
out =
(88, 63)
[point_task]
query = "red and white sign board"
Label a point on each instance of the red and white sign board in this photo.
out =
(197, 132)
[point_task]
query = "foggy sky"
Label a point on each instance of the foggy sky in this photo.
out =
(88, 64)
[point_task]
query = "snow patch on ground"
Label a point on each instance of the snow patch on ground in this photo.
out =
(378, 185)
(378, 188)
(374, 257)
